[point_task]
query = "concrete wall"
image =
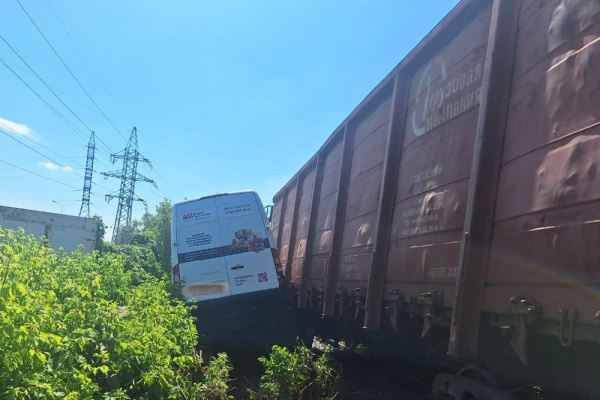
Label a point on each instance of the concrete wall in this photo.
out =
(63, 231)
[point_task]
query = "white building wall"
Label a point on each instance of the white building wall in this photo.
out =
(63, 231)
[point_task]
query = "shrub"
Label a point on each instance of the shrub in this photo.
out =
(536, 393)
(140, 260)
(88, 327)
(216, 379)
(297, 374)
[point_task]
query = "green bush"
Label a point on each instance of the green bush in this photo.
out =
(298, 374)
(89, 327)
(140, 260)
(536, 393)
(215, 385)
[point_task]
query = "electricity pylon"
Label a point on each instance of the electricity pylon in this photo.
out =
(87, 179)
(126, 194)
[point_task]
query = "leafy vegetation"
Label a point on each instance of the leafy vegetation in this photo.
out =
(216, 379)
(153, 231)
(149, 248)
(536, 392)
(106, 325)
(296, 374)
(100, 231)
(95, 326)
(140, 260)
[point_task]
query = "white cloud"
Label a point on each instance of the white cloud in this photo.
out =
(52, 166)
(15, 127)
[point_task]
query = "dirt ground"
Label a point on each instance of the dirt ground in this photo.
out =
(363, 377)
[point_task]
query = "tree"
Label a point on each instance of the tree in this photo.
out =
(154, 231)
(149, 240)
(100, 230)
(163, 233)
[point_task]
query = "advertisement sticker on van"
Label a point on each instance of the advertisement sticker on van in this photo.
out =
(220, 246)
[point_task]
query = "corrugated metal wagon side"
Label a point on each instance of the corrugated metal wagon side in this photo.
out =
(462, 195)
(424, 202)
(276, 217)
(546, 227)
(432, 187)
(544, 250)
(287, 202)
(306, 186)
(393, 212)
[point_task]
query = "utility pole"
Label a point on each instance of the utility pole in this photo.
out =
(126, 194)
(87, 179)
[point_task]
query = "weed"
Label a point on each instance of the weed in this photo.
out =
(95, 326)
(296, 374)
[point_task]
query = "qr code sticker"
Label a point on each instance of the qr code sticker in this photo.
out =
(263, 277)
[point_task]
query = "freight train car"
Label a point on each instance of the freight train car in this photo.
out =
(463, 195)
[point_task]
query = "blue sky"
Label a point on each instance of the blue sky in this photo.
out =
(226, 95)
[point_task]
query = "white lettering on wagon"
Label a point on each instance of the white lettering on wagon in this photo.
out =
(425, 179)
(442, 272)
(423, 216)
(350, 268)
(453, 96)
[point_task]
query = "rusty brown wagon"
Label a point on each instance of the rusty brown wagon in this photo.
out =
(463, 193)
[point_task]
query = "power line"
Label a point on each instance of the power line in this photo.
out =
(50, 147)
(37, 189)
(69, 70)
(65, 94)
(50, 106)
(168, 183)
(65, 167)
(43, 82)
(156, 188)
(89, 65)
(101, 186)
(79, 83)
(38, 152)
(50, 150)
(65, 120)
(161, 192)
(36, 174)
(37, 198)
(50, 88)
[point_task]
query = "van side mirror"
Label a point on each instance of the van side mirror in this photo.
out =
(269, 212)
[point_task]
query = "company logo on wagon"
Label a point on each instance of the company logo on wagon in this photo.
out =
(442, 96)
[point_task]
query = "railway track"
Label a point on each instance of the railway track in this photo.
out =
(365, 377)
